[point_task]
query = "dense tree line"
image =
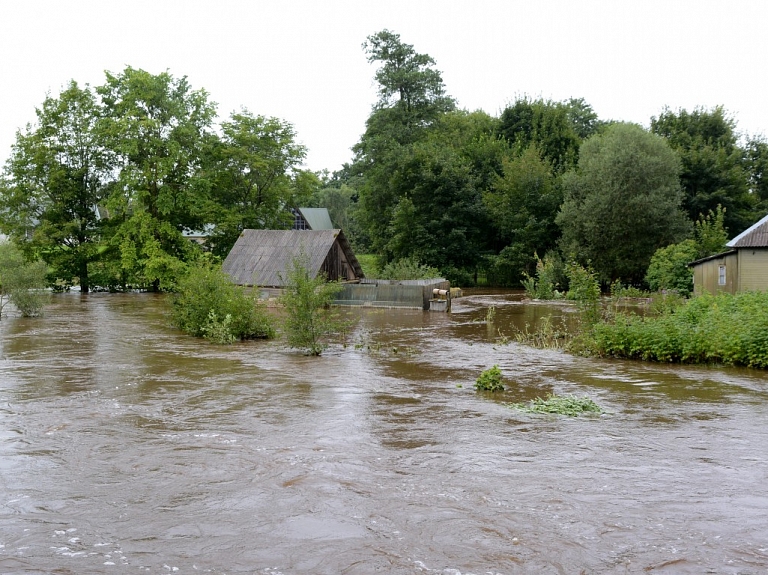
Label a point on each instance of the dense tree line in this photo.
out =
(473, 194)
(106, 181)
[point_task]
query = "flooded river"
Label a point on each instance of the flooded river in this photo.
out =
(126, 447)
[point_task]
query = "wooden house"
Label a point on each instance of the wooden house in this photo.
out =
(263, 257)
(744, 267)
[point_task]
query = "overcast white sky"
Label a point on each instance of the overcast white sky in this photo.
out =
(301, 60)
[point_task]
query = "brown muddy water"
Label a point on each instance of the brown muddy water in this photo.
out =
(126, 447)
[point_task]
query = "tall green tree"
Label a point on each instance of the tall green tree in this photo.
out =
(713, 164)
(411, 99)
(157, 127)
(523, 203)
(254, 173)
(757, 168)
(55, 179)
(622, 202)
(440, 219)
(584, 119)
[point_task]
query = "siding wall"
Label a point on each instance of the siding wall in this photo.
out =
(706, 275)
(753, 268)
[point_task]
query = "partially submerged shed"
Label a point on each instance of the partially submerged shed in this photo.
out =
(263, 257)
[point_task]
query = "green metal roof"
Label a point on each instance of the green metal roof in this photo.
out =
(317, 218)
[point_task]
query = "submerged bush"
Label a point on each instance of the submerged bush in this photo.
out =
(22, 283)
(490, 380)
(545, 284)
(207, 304)
(309, 321)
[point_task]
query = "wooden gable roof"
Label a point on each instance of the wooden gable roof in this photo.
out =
(755, 236)
(262, 257)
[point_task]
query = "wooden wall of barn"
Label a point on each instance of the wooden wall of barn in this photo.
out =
(335, 266)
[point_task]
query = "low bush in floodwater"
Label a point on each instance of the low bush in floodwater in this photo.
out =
(727, 329)
(490, 380)
(309, 321)
(559, 405)
(207, 304)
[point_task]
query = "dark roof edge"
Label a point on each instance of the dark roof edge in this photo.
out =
(714, 257)
(351, 257)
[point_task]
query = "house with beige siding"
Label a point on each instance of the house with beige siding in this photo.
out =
(744, 267)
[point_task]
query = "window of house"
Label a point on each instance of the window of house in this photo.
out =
(721, 275)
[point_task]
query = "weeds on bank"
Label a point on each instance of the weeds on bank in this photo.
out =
(726, 329)
(559, 405)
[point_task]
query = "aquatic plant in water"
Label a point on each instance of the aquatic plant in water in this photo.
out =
(559, 405)
(490, 380)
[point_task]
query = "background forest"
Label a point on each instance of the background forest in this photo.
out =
(107, 182)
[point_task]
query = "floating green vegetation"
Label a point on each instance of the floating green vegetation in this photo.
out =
(490, 380)
(559, 405)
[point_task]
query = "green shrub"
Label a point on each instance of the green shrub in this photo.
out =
(582, 283)
(457, 276)
(727, 329)
(490, 380)
(219, 330)
(544, 286)
(207, 304)
(669, 269)
(618, 291)
(22, 283)
(309, 320)
(408, 269)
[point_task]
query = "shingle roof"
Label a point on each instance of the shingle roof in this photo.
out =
(753, 237)
(261, 257)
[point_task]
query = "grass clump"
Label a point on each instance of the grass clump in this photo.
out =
(490, 380)
(207, 304)
(559, 405)
(548, 334)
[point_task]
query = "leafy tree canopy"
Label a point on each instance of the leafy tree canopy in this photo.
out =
(255, 168)
(549, 125)
(713, 165)
(55, 178)
(622, 202)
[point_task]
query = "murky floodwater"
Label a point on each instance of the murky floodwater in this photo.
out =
(126, 447)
